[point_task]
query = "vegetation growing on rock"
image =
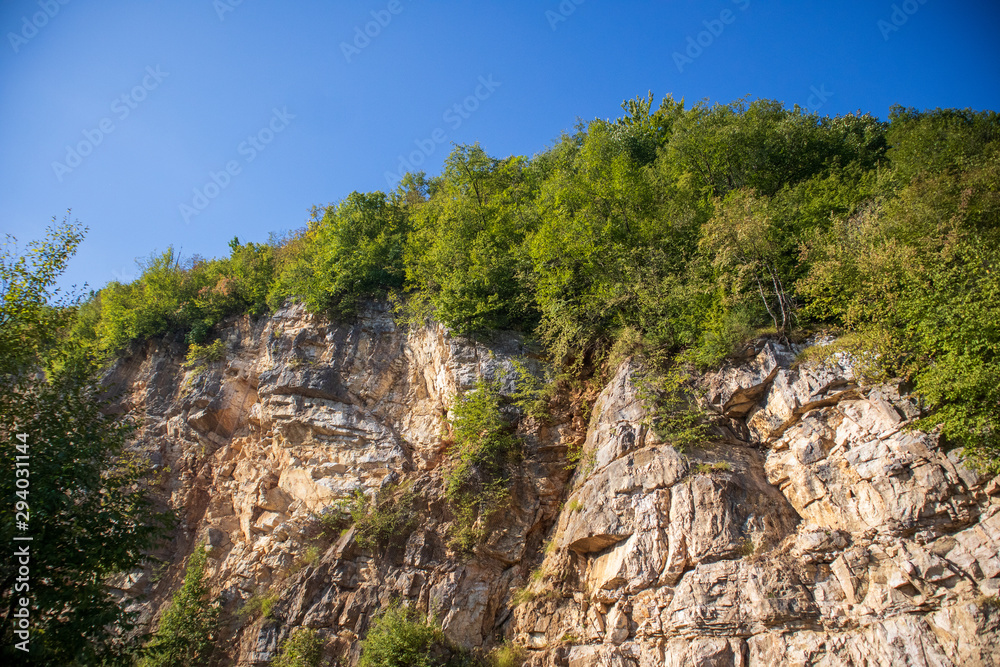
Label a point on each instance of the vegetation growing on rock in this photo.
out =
(678, 233)
(185, 636)
(690, 227)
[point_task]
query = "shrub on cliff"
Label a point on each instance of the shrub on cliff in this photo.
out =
(402, 637)
(175, 297)
(484, 451)
(185, 636)
(399, 637)
(388, 516)
(303, 648)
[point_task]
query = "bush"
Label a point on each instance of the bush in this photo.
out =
(185, 634)
(354, 252)
(531, 393)
(387, 517)
(259, 604)
(507, 655)
(303, 648)
(672, 412)
(401, 637)
(484, 451)
(174, 298)
(200, 355)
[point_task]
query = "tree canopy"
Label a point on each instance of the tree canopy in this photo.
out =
(684, 228)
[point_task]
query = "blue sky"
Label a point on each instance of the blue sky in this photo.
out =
(189, 122)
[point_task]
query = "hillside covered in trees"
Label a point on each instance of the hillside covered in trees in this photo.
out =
(676, 230)
(674, 234)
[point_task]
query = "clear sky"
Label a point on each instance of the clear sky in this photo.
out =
(189, 122)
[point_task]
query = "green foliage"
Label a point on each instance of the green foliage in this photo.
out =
(32, 310)
(401, 637)
(507, 655)
(598, 245)
(762, 146)
(463, 259)
(725, 327)
(200, 355)
(94, 509)
(915, 277)
(185, 634)
(89, 506)
(259, 604)
(387, 517)
(303, 648)
(675, 232)
(171, 298)
(531, 393)
(745, 244)
(354, 252)
(311, 555)
(522, 596)
(484, 452)
(673, 414)
(707, 468)
(941, 140)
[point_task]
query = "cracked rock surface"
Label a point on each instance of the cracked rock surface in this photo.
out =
(818, 530)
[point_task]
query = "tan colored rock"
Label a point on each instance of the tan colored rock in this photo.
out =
(822, 531)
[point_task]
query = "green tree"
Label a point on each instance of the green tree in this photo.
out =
(746, 247)
(354, 252)
(464, 258)
(32, 309)
(185, 634)
(87, 505)
(916, 276)
(616, 236)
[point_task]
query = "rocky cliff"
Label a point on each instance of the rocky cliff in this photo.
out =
(819, 530)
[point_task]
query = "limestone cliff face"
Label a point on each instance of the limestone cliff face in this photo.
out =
(818, 531)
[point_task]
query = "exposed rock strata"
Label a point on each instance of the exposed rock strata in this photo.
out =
(819, 531)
